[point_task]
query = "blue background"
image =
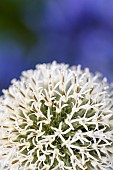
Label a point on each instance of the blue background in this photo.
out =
(70, 31)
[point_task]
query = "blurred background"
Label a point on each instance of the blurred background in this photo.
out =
(70, 31)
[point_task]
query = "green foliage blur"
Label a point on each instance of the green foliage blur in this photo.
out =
(12, 22)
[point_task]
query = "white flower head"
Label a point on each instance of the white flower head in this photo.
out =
(57, 117)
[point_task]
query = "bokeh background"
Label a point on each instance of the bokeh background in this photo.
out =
(70, 31)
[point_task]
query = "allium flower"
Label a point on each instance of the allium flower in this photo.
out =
(57, 118)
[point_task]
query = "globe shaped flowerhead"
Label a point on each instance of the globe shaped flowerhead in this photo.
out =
(57, 117)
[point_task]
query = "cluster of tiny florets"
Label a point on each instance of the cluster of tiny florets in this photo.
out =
(57, 117)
